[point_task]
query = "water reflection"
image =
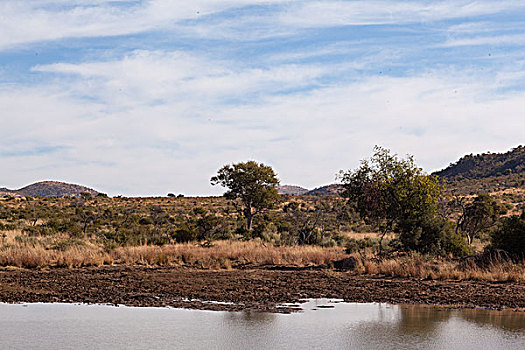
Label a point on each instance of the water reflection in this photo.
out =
(399, 327)
(507, 320)
(437, 328)
(255, 318)
(346, 326)
(421, 319)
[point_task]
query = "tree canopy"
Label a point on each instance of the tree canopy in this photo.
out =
(252, 184)
(478, 215)
(394, 195)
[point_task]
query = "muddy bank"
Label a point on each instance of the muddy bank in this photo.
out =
(256, 289)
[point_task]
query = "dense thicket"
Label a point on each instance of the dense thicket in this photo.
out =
(394, 195)
(510, 236)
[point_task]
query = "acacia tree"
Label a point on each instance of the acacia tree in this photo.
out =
(253, 185)
(391, 194)
(310, 224)
(477, 216)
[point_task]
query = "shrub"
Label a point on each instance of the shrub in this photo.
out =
(356, 245)
(185, 233)
(64, 245)
(455, 244)
(145, 221)
(431, 234)
(510, 236)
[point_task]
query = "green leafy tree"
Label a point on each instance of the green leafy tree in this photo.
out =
(430, 234)
(393, 195)
(510, 236)
(478, 216)
(315, 223)
(252, 186)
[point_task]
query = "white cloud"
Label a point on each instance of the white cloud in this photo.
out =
(146, 77)
(329, 13)
(493, 40)
(31, 21)
(126, 143)
(154, 121)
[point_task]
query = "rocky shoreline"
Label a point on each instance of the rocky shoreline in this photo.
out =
(254, 289)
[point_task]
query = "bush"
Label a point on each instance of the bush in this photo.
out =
(455, 244)
(356, 245)
(510, 236)
(431, 235)
(145, 221)
(185, 233)
(64, 245)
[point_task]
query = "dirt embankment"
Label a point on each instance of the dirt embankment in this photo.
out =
(257, 289)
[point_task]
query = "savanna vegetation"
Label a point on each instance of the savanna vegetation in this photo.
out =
(391, 219)
(486, 173)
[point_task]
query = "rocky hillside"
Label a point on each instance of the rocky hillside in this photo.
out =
(50, 189)
(291, 190)
(7, 192)
(487, 172)
(327, 190)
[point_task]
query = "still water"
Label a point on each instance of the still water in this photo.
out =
(342, 326)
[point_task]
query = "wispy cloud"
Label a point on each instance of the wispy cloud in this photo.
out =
(443, 110)
(33, 151)
(32, 21)
(342, 13)
(145, 77)
(493, 40)
(146, 97)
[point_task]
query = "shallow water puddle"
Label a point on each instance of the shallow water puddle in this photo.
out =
(321, 324)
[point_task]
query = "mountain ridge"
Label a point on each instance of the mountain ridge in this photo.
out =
(50, 189)
(486, 164)
(486, 172)
(327, 190)
(293, 190)
(480, 173)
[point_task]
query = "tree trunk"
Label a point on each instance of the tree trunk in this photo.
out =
(469, 239)
(249, 217)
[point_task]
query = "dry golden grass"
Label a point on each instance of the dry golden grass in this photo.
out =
(232, 254)
(223, 254)
(441, 269)
(38, 257)
(9, 237)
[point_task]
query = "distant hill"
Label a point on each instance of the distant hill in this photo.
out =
(50, 189)
(292, 190)
(487, 172)
(327, 190)
(7, 192)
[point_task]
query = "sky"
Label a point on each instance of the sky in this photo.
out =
(142, 98)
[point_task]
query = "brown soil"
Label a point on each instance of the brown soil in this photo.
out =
(253, 289)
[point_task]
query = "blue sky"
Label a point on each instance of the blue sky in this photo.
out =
(151, 97)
